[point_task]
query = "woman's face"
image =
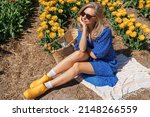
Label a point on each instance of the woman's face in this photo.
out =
(88, 16)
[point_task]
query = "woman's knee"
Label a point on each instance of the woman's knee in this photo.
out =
(76, 67)
(80, 55)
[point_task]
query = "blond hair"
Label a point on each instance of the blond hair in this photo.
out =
(99, 26)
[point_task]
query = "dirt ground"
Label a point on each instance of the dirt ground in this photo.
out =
(22, 60)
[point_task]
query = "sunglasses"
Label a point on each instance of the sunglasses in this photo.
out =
(88, 16)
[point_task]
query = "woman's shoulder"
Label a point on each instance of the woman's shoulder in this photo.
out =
(106, 30)
(104, 34)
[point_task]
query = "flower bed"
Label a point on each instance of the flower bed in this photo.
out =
(54, 17)
(55, 14)
(143, 6)
(133, 32)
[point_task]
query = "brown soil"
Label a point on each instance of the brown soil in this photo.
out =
(22, 60)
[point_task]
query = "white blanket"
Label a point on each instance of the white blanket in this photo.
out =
(131, 77)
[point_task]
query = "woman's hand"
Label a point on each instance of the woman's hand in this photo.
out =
(83, 23)
(83, 41)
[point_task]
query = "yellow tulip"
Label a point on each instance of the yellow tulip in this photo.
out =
(43, 23)
(51, 22)
(52, 35)
(106, 1)
(148, 1)
(128, 32)
(74, 9)
(48, 16)
(141, 6)
(131, 15)
(39, 29)
(49, 4)
(109, 4)
(46, 9)
(122, 25)
(56, 24)
(125, 23)
(118, 20)
(62, 3)
(114, 13)
(45, 26)
(118, 2)
(141, 0)
(131, 27)
(60, 11)
(54, 28)
(114, 4)
(47, 31)
(111, 8)
(118, 14)
(143, 26)
(130, 23)
(58, 28)
(121, 9)
(103, 3)
(124, 13)
(87, 1)
(133, 34)
(78, 19)
(55, 18)
(42, 17)
(53, 9)
(61, 32)
(141, 37)
(41, 35)
(137, 24)
(125, 19)
(146, 30)
(78, 3)
(132, 19)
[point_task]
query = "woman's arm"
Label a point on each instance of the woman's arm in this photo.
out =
(103, 44)
(83, 41)
(89, 51)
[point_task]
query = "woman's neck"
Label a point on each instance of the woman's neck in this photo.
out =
(90, 28)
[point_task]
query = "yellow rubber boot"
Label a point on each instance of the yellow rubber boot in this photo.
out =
(42, 80)
(35, 92)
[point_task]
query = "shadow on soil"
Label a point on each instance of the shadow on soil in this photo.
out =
(69, 84)
(2, 72)
(126, 52)
(4, 52)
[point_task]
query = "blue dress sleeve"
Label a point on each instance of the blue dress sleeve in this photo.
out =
(76, 46)
(102, 44)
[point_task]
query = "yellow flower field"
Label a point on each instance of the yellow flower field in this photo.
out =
(55, 14)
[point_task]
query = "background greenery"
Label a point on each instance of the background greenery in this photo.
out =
(13, 14)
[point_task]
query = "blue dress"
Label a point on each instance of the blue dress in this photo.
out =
(105, 66)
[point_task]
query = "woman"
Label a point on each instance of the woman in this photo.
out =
(94, 54)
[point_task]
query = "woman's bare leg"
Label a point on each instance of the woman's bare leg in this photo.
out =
(77, 68)
(61, 67)
(68, 62)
